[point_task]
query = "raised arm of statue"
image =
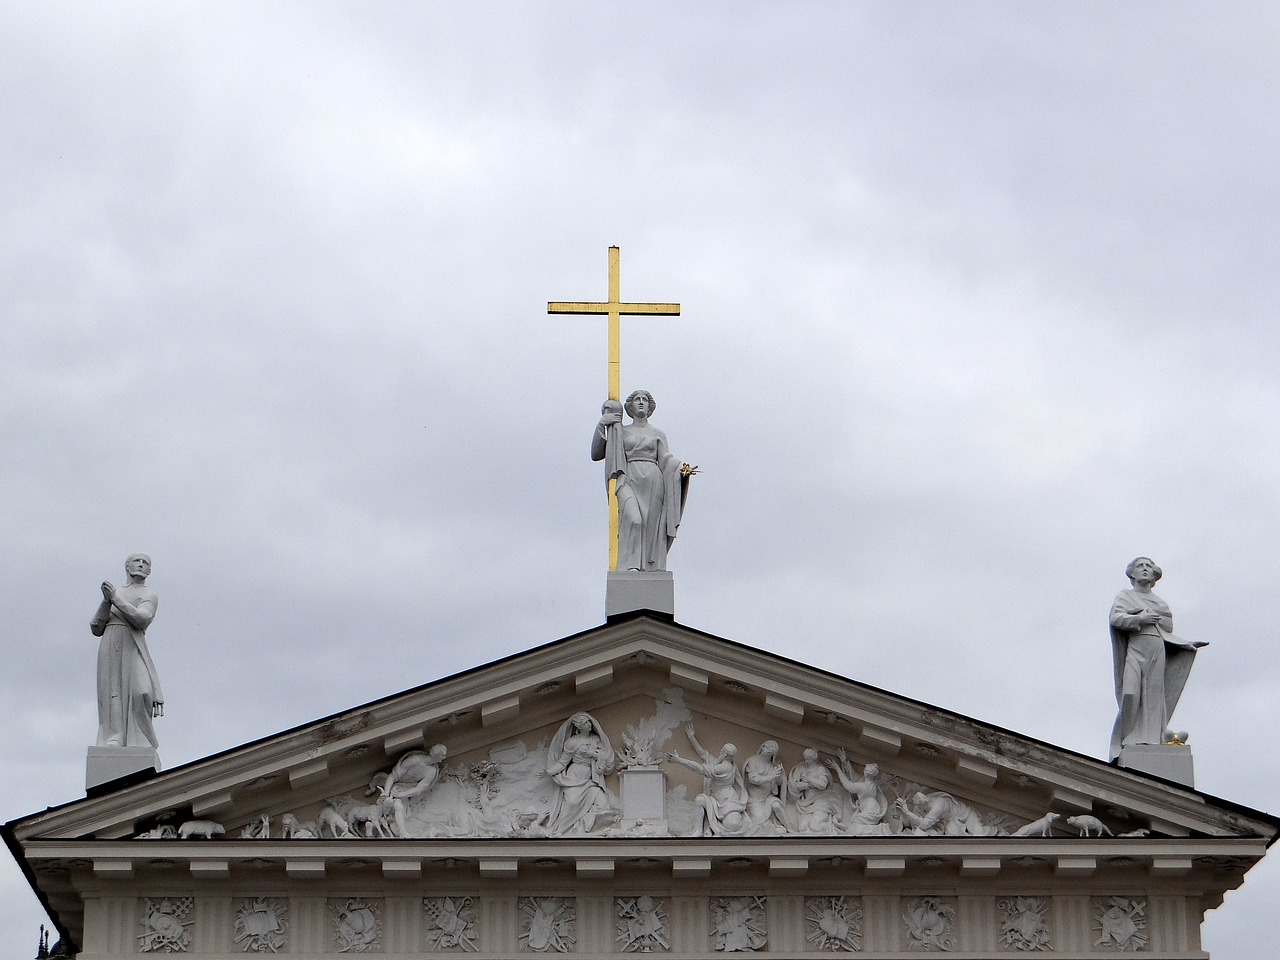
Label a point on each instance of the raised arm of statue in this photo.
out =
(138, 614)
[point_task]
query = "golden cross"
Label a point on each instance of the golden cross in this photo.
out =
(614, 309)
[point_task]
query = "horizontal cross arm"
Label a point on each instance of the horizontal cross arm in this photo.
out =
(626, 309)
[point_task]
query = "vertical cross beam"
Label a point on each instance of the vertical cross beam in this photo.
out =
(615, 310)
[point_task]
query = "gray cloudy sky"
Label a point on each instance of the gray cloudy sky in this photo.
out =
(979, 303)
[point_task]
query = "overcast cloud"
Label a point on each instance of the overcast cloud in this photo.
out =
(978, 303)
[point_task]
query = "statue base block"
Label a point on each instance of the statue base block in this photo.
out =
(1170, 761)
(644, 793)
(630, 590)
(112, 763)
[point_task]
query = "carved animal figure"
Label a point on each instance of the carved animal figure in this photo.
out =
(373, 817)
(291, 828)
(1089, 826)
(1140, 832)
(205, 829)
(162, 832)
(1042, 827)
(259, 828)
(330, 823)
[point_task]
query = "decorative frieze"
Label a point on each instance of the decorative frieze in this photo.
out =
(930, 924)
(833, 923)
(1024, 923)
(642, 924)
(261, 924)
(548, 924)
(739, 924)
(165, 925)
(357, 925)
(1121, 923)
(450, 923)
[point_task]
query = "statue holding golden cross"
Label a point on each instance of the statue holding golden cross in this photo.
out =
(614, 308)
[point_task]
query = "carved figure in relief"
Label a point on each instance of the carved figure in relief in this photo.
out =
(1038, 828)
(1090, 826)
(870, 805)
(765, 780)
(816, 810)
(129, 694)
(204, 829)
(412, 776)
(929, 924)
(738, 924)
(651, 484)
(723, 799)
(1025, 925)
(942, 815)
(1151, 663)
(834, 923)
(547, 924)
(451, 923)
(642, 924)
(1122, 922)
(579, 758)
(165, 926)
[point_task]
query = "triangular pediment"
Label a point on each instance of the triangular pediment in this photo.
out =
(642, 681)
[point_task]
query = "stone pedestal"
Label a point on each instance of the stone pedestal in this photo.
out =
(644, 794)
(111, 763)
(630, 590)
(1171, 761)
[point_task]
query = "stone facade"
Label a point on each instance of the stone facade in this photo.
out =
(582, 798)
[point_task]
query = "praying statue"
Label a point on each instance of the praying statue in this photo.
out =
(1151, 664)
(129, 695)
(651, 484)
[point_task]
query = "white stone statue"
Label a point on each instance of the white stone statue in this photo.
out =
(579, 758)
(724, 798)
(816, 810)
(412, 776)
(870, 805)
(651, 484)
(1151, 664)
(765, 780)
(129, 695)
(942, 815)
